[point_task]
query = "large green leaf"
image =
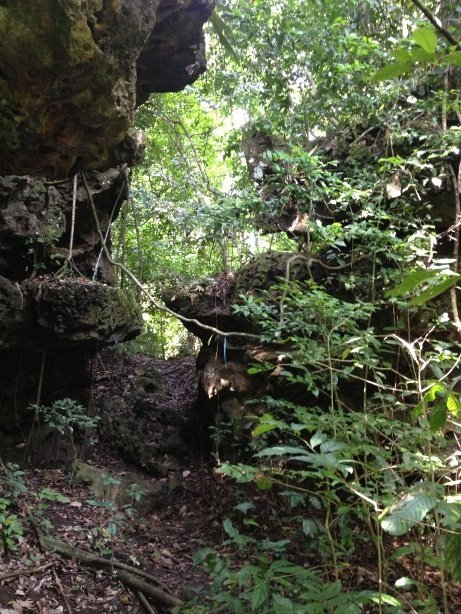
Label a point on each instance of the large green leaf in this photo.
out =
(438, 416)
(453, 59)
(391, 71)
(437, 289)
(409, 510)
(411, 281)
(426, 38)
(224, 34)
(263, 428)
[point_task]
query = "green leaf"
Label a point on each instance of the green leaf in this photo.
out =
(52, 495)
(259, 595)
(401, 55)
(426, 38)
(420, 55)
(229, 528)
(438, 416)
(453, 59)
(391, 71)
(282, 605)
(452, 554)
(453, 403)
(244, 507)
(310, 527)
(435, 390)
(408, 511)
(239, 472)
(418, 410)
(435, 290)
(263, 428)
(264, 483)
(224, 34)
(317, 439)
(411, 281)
(380, 598)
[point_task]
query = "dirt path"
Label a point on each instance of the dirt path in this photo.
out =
(163, 542)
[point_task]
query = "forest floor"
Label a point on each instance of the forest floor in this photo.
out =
(163, 542)
(194, 502)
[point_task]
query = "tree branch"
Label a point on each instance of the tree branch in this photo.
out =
(435, 21)
(146, 293)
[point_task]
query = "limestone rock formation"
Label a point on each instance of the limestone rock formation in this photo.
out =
(72, 72)
(71, 76)
(225, 385)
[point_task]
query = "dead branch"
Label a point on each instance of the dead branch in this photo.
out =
(25, 572)
(130, 576)
(61, 590)
(157, 595)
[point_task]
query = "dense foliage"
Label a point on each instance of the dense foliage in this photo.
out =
(358, 106)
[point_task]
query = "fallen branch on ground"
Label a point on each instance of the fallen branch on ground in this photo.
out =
(25, 572)
(129, 576)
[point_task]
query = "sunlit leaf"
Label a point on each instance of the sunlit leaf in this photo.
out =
(426, 38)
(263, 428)
(408, 511)
(434, 390)
(453, 403)
(454, 59)
(435, 290)
(391, 71)
(411, 281)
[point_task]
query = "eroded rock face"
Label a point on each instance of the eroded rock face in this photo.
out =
(36, 223)
(225, 385)
(69, 76)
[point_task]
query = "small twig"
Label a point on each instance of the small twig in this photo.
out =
(61, 590)
(456, 183)
(69, 259)
(38, 399)
(25, 572)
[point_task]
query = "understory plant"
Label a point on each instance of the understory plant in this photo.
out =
(363, 444)
(68, 418)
